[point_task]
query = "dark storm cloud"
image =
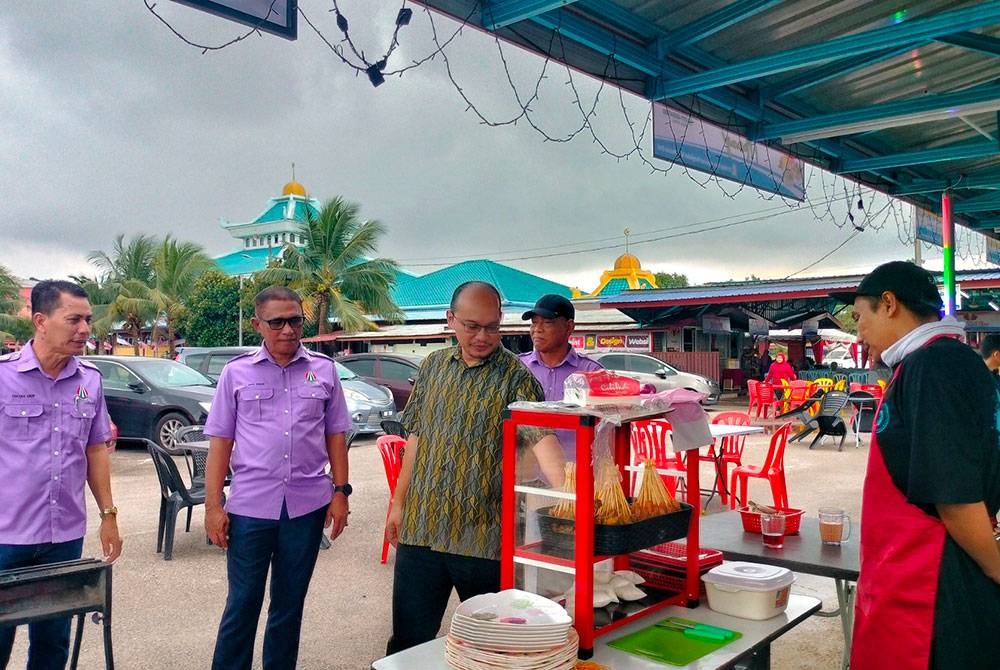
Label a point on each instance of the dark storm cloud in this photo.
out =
(110, 124)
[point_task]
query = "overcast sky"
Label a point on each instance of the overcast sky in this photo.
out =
(111, 124)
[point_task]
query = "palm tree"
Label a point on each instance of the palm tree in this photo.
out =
(333, 272)
(176, 267)
(128, 276)
(133, 260)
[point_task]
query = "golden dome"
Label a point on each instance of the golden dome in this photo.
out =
(627, 262)
(294, 188)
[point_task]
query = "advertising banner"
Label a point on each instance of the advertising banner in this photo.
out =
(681, 138)
(927, 226)
(711, 323)
(992, 251)
(617, 342)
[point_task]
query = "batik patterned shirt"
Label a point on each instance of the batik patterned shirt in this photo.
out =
(456, 410)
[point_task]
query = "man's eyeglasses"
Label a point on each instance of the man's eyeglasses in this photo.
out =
(278, 324)
(473, 328)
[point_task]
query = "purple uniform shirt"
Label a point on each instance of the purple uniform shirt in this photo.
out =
(45, 427)
(279, 418)
(553, 378)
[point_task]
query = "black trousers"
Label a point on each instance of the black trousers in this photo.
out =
(422, 585)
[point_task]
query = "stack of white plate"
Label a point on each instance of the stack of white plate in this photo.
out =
(511, 629)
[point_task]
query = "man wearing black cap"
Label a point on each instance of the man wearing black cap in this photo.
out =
(929, 590)
(553, 358)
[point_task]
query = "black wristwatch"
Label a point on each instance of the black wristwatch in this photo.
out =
(346, 489)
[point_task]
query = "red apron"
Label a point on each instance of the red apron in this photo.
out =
(901, 548)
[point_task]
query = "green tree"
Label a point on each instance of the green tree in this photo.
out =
(671, 280)
(210, 319)
(128, 276)
(333, 272)
(12, 326)
(176, 268)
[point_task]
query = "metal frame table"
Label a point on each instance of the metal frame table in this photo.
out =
(754, 646)
(804, 553)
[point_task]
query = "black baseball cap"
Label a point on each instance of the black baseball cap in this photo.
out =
(551, 306)
(910, 283)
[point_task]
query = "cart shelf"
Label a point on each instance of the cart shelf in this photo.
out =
(516, 550)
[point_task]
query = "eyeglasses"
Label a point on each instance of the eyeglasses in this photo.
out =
(278, 324)
(474, 328)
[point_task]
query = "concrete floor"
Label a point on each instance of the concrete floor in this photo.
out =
(166, 612)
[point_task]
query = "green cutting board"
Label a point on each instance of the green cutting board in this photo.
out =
(667, 646)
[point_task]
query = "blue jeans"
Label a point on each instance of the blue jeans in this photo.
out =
(422, 583)
(48, 641)
(289, 548)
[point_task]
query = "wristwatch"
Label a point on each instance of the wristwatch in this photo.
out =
(346, 489)
(113, 510)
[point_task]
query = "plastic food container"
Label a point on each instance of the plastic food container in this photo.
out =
(748, 590)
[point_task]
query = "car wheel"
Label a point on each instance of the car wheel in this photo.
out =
(165, 428)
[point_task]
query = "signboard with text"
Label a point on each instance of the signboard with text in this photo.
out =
(681, 138)
(612, 342)
(927, 226)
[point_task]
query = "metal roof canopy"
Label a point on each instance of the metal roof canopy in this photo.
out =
(784, 302)
(904, 101)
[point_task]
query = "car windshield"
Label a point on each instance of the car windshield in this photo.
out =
(344, 373)
(162, 372)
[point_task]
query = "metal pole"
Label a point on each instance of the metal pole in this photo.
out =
(239, 312)
(948, 243)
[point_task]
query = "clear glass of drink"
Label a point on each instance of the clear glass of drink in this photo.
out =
(772, 529)
(832, 521)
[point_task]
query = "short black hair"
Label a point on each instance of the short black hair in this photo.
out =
(471, 284)
(990, 344)
(275, 293)
(47, 294)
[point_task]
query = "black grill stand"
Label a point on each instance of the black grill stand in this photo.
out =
(55, 590)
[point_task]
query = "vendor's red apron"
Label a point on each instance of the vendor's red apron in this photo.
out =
(901, 549)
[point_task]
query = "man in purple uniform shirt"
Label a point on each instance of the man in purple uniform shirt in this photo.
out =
(553, 358)
(277, 420)
(55, 427)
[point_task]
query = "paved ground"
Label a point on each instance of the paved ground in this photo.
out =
(166, 612)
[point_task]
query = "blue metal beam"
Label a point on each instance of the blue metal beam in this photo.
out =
(884, 115)
(816, 76)
(951, 153)
(614, 13)
(603, 42)
(919, 29)
(712, 23)
(978, 181)
(973, 42)
(983, 203)
(501, 13)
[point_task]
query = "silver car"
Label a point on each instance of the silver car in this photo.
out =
(369, 404)
(662, 376)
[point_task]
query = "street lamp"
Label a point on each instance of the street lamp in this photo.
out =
(239, 309)
(239, 305)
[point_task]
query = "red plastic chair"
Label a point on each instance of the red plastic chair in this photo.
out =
(754, 406)
(391, 448)
(730, 450)
(875, 389)
(769, 405)
(651, 439)
(772, 469)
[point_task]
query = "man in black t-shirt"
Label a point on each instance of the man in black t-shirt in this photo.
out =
(990, 349)
(929, 590)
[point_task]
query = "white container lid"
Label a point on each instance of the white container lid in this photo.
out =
(750, 576)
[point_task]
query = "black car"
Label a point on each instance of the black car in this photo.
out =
(396, 371)
(153, 397)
